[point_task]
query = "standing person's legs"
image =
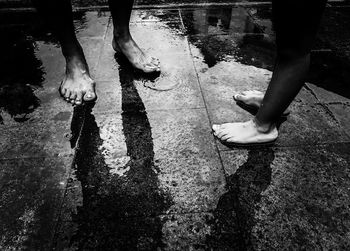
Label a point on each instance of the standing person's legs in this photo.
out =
(77, 85)
(296, 23)
(123, 41)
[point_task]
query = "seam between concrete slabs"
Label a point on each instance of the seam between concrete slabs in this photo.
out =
(323, 105)
(58, 221)
(205, 103)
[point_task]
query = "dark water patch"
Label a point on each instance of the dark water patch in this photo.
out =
(80, 21)
(20, 73)
(216, 21)
(159, 15)
(229, 34)
(28, 23)
(330, 72)
(249, 49)
(330, 58)
(119, 212)
(256, 50)
(151, 2)
(234, 215)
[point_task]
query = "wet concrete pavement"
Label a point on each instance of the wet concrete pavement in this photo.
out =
(140, 169)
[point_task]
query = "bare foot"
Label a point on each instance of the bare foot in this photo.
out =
(253, 99)
(77, 86)
(245, 133)
(135, 55)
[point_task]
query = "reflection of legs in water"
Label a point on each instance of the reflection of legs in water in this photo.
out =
(294, 37)
(77, 85)
(123, 41)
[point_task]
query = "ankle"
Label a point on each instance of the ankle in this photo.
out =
(263, 127)
(122, 36)
(76, 65)
(72, 50)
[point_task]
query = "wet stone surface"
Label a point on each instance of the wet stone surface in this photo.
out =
(276, 199)
(140, 169)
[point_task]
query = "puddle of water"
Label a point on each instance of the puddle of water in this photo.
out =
(214, 21)
(21, 72)
(246, 36)
(330, 72)
(229, 34)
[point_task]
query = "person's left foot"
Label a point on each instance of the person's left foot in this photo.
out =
(245, 133)
(135, 55)
(77, 86)
(253, 100)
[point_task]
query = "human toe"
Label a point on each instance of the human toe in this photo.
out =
(67, 95)
(216, 129)
(221, 133)
(148, 68)
(239, 96)
(89, 96)
(72, 97)
(79, 98)
(62, 91)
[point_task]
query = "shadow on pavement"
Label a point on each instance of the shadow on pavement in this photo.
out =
(119, 212)
(234, 215)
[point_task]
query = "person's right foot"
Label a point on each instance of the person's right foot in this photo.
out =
(77, 85)
(245, 133)
(253, 99)
(135, 55)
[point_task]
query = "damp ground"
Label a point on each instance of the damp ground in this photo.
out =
(140, 169)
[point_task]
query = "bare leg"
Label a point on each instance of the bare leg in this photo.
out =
(77, 85)
(123, 40)
(296, 23)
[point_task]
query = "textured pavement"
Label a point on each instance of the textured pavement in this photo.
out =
(140, 169)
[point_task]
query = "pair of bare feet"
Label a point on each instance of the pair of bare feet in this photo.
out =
(78, 87)
(250, 132)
